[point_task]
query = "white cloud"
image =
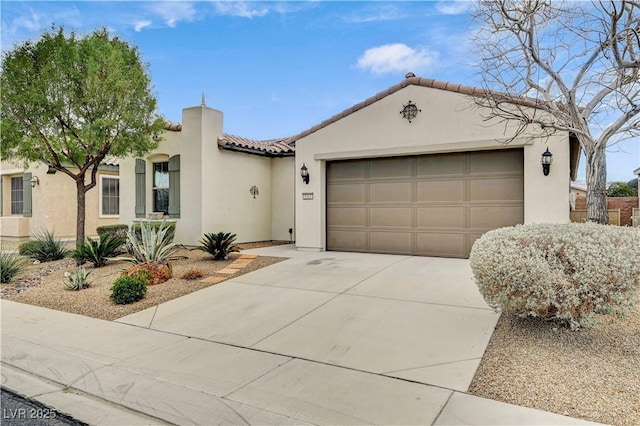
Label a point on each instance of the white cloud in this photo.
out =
(240, 8)
(386, 12)
(173, 12)
(397, 58)
(455, 7)
(140, 25)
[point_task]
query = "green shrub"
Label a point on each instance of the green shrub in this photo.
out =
(46, 247)
(151, 243)
(129, 289)
(562, 272)
(119, 229)
(10, 266)
(78, 280)
(621, 189)
(99, 251)
(218, 245)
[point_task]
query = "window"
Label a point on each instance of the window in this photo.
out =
(109, 195)
(161, 187)
(17, 200)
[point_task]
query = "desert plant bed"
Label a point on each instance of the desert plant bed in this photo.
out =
(44, 284)
(591, 374)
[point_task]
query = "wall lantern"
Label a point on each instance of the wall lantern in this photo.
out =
(34, 181)
(304, 172)
(547, 159)
(254, 191)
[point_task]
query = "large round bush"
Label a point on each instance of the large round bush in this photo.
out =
(566, 272)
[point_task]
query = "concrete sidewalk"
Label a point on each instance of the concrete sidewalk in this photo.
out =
(322, 338)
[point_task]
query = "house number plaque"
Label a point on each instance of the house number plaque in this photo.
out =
(307, 195)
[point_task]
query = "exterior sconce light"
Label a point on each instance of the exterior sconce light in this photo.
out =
(34, 181)
(547, 159)
(304, 173)
(254, 191)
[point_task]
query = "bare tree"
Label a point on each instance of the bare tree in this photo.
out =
(564, 66)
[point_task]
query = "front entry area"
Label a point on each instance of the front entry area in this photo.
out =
(427, 205)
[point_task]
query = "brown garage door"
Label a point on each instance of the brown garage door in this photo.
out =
(431, 205)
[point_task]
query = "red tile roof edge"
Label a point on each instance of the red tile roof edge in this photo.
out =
(270, 147)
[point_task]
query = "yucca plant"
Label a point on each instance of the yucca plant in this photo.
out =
(218, 245)
(10, 266)
(99, 251)
(77, 280)
(151, 245)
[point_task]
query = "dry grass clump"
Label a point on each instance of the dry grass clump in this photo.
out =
(50, 292)
(192, 274)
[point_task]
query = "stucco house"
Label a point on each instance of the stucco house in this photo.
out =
(414, 169)
(39, 198)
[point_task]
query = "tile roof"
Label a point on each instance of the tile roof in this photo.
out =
(173, 126)
(410, 80)
(111, 161)
(269, 148)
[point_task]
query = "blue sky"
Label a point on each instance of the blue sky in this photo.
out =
(278, 68)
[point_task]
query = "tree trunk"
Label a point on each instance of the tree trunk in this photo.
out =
(80, 197)
(597, 186)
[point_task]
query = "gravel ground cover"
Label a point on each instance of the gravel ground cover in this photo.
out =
(44, 284)
(591, 374)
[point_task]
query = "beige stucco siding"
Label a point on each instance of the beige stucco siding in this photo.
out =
(283, 176)
(53, 205)
(448, 122)
(215, 184)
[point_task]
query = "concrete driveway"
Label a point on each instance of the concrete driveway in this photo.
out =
(321, 338)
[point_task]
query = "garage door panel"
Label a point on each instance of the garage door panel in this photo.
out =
(440, 164)
(441, 244)
(492, 162)
(346, 170)
(491, 217)
(347, 240)
(498, 189)
(390, 242)
(401, 217)
(439, 190)
(347, 216)
(390, 192)
(440, 217)
(396, 168)
(346, 193)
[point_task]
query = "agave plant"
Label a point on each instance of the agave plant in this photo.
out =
(151, 245)
(218, 245)
(77, 280)
(99, 251)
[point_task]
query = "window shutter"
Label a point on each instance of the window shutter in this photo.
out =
(26, 195)
(141, 195)
(174, 186)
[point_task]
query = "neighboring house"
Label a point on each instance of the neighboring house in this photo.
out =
(39, 198)
(412, 170)
(577, 192)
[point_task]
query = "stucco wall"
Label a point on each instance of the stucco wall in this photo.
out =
(53, 206)
(448, 122)
(283, 176)
(214, 184)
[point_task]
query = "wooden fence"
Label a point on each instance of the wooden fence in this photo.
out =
(581, 216)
